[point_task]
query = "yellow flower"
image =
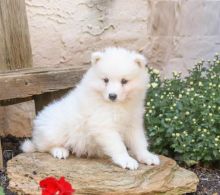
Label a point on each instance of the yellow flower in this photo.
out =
(154, 85)
(175, 73)
(156, 71)
(200, 83)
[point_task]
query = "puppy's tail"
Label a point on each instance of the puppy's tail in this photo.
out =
(28, 146)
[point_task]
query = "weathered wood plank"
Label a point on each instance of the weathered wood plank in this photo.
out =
(17, 119)
(15, 53)
(15, 47)
(28, 82)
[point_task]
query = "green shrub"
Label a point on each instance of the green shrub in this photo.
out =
(183, 115)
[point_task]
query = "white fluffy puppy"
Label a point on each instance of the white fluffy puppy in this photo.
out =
(103, 115)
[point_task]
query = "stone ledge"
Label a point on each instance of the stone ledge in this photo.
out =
(99, 176)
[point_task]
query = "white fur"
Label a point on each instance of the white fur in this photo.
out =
(87, 123)
(28, 146)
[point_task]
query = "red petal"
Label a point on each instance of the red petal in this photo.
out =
(65, 187)
(49, 186)
(48, 181)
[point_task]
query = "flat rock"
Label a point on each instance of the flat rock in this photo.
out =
(99, 176)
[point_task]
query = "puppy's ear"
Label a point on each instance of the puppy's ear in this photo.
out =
(140, 60)
(95, 57)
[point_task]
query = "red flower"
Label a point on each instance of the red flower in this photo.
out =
(52, 186)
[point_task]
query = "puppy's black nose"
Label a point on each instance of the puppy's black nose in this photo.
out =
(112, 96)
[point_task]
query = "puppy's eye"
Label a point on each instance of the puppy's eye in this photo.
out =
(106, 80)
(124, 81)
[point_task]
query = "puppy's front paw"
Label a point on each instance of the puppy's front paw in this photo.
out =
(149, 158)
(59, 152)
(126, 162)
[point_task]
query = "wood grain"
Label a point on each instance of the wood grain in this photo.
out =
(28, 82)
(15, 53)
(15, 47)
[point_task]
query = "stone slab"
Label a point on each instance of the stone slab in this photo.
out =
(99, 176)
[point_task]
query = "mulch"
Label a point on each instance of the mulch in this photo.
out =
(209, 183)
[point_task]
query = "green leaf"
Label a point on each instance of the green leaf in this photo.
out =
(1, 191)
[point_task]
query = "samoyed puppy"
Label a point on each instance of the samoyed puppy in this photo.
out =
(103, 115)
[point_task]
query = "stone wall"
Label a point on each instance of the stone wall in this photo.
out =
(173, 34)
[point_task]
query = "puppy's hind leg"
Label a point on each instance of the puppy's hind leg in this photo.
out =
(59, 152)
(113, 146)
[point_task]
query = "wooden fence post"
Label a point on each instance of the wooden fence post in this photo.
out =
(15, 44)
(15, 47)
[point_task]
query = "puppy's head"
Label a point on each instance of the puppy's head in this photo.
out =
(119, 74)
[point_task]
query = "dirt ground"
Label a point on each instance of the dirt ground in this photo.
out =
(209, 178)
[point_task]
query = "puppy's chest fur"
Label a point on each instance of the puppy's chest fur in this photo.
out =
(109, 116)
(97, 118)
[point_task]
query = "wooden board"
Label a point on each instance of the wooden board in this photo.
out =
(28, 82)
(15, 47)
(17, 119)
(15, 53)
